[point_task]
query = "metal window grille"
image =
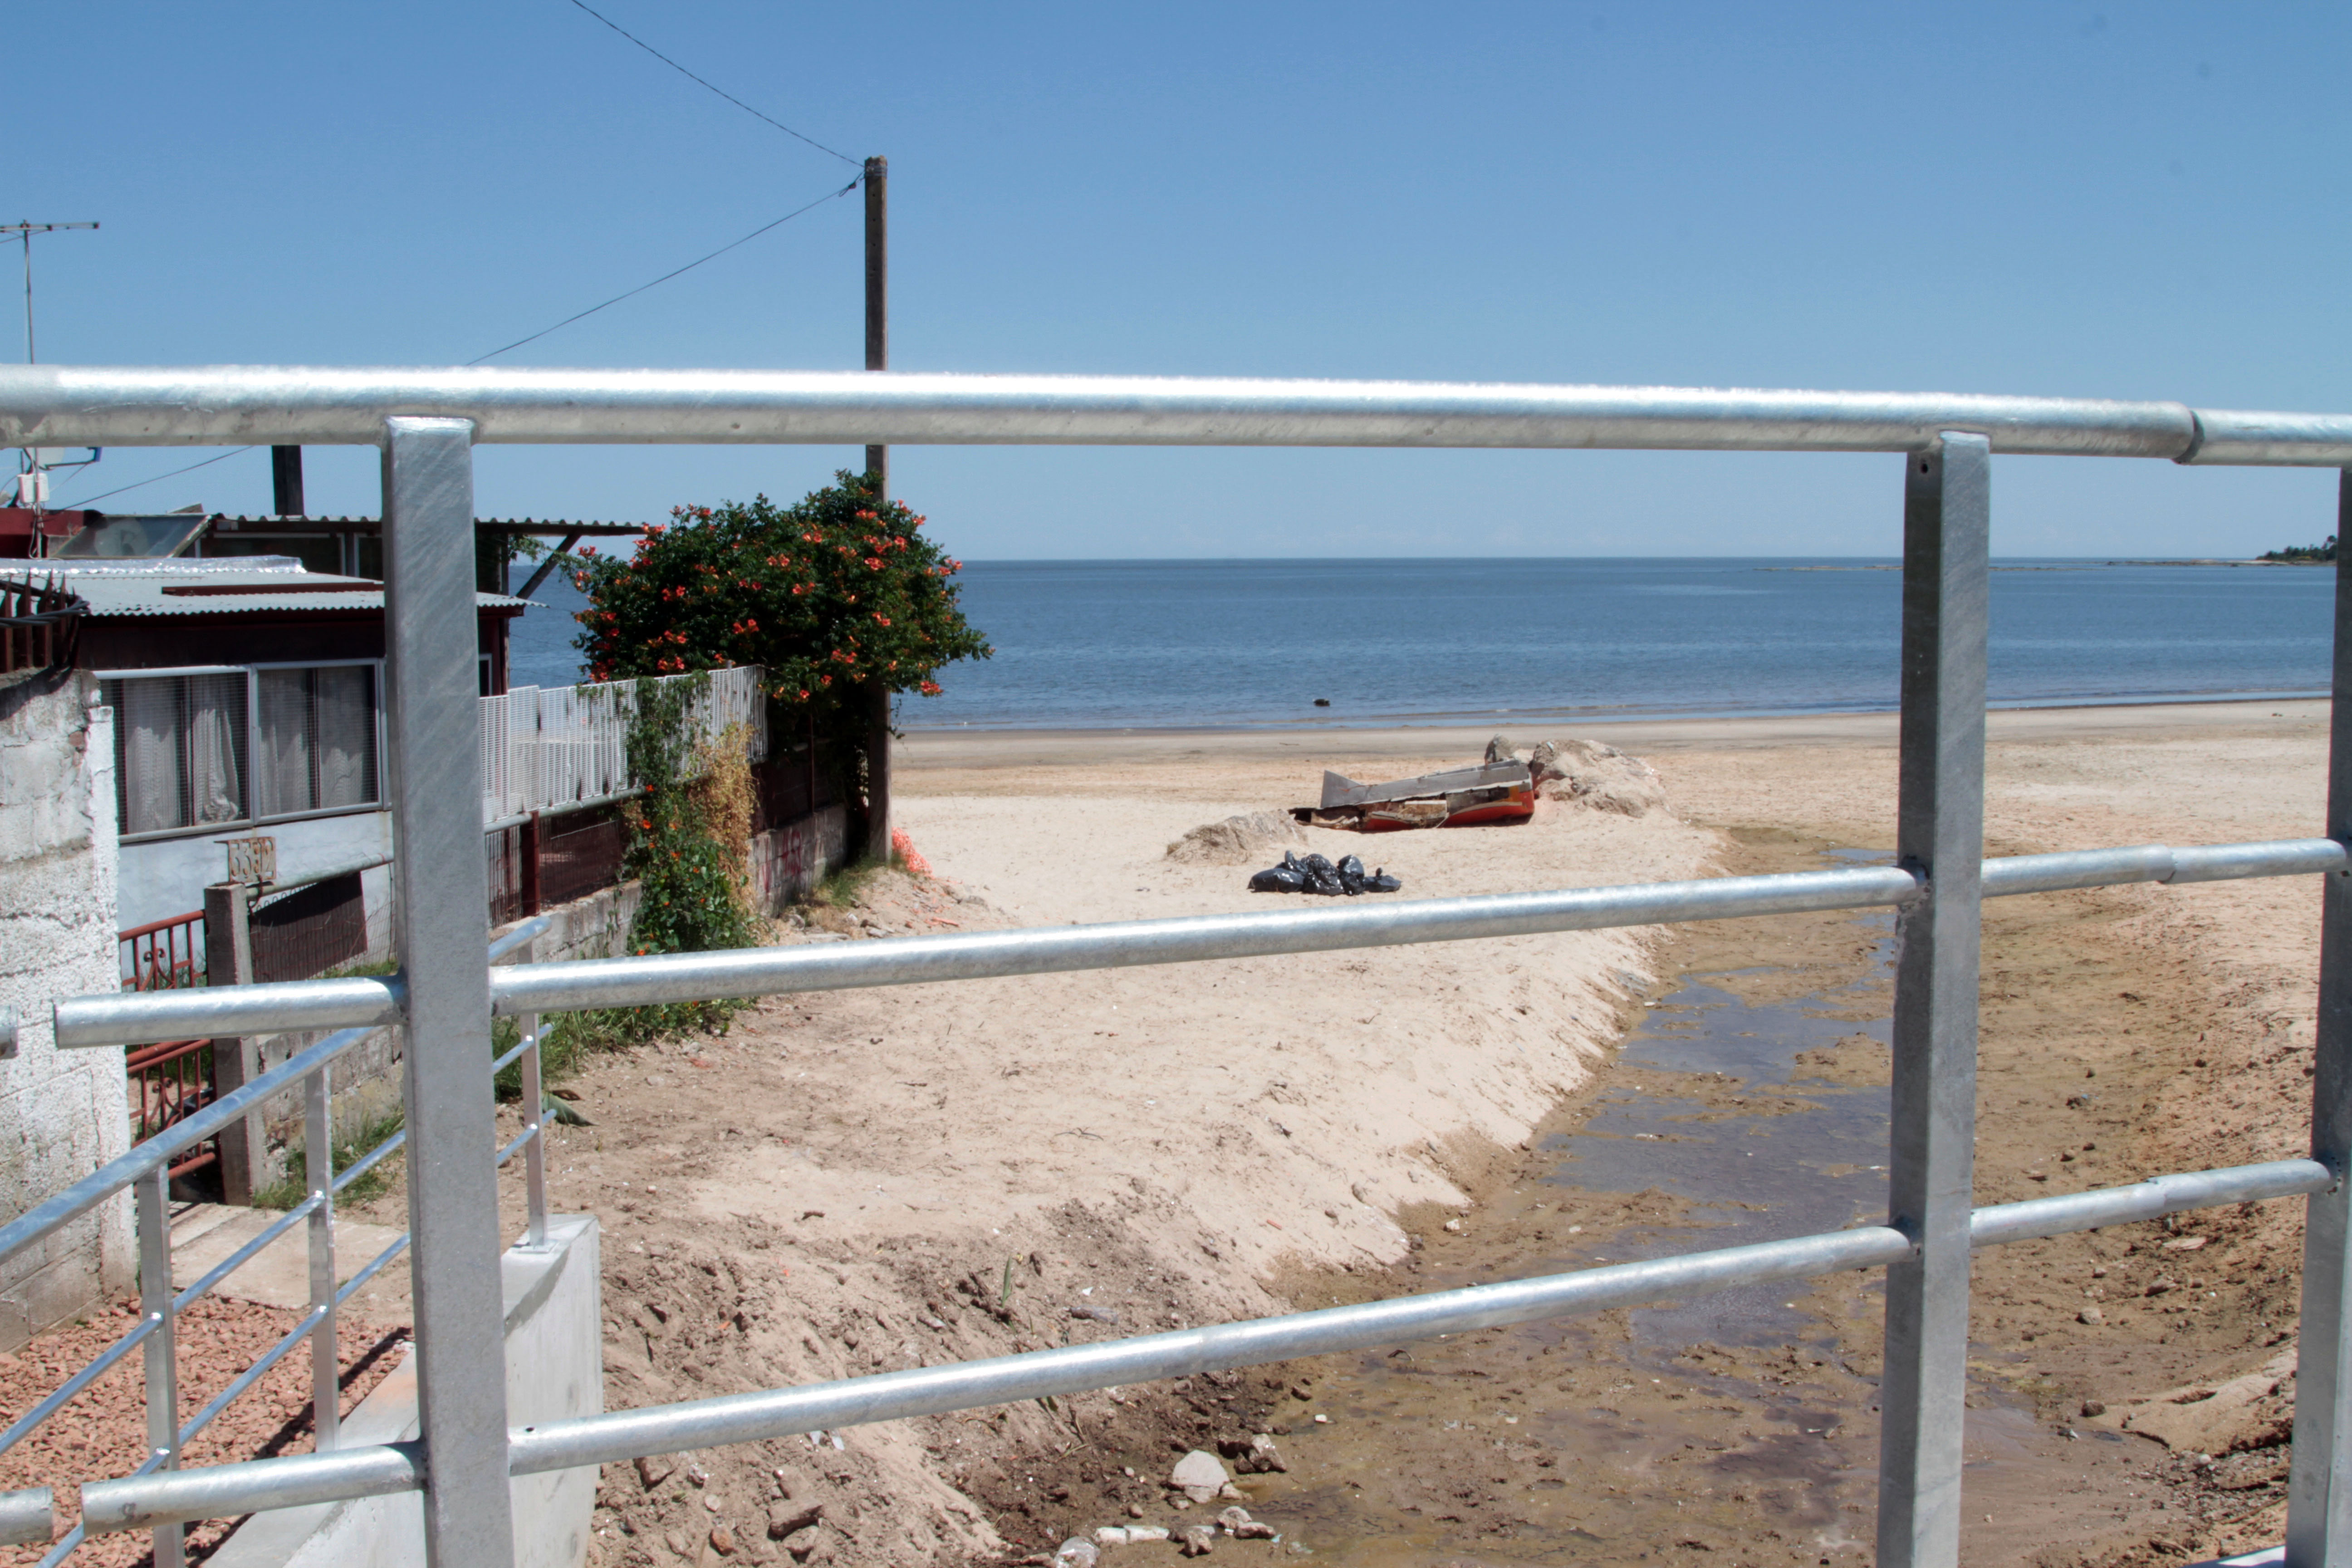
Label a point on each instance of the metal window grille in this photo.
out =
(426, 422)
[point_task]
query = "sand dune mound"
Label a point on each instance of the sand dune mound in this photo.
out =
(1238, 840)
(1589, 773)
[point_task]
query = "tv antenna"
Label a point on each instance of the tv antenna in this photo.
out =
(32, 483)
(23, 233)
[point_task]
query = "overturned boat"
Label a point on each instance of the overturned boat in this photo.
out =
(1462, 797)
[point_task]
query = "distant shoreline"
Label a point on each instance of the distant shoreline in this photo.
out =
(1590, 719)
(921, 750)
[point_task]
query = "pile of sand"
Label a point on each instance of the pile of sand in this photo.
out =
(1249, 839)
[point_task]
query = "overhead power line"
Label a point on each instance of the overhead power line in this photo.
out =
(828, 196)
(159, 478)
(722, 91)
(675, 273)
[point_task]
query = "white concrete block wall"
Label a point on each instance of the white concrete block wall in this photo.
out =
(62, 1113)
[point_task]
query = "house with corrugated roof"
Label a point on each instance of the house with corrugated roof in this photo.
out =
(248, 699)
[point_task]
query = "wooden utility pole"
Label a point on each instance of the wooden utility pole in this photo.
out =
(878, 464)
(877, 296)
(286, 480)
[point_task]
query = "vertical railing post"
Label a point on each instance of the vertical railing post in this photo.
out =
(319, 1176)
(442, 921)
(1946, 514)
(534, 1153)
(534, 1118)
(2319, 1486)
(153, 1202)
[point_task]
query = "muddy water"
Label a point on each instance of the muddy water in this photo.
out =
(1749, 1103)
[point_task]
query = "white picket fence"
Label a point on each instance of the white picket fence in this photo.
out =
(547, 747)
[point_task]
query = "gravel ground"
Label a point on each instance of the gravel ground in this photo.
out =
(103, 1431)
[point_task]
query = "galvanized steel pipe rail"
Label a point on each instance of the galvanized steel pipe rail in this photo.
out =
(70, 405)
(226, 1490)
(425, 423)
(528, 988)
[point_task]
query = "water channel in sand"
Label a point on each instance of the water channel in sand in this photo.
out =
(1744, 1107)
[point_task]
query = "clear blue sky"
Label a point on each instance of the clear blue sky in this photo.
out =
(2130, 201)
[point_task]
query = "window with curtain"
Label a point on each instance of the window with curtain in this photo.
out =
(314, 739)
(179, 751)
(180, 744)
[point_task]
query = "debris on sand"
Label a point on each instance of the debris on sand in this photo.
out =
(1463, 797)
(1316, 874)
(1502, 788)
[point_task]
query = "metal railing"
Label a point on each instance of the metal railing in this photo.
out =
(163, 953)
(427, 421)
(27, 1516)
(40, 625)
(169, 1080)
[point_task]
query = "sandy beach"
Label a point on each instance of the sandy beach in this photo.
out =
(853, 1181)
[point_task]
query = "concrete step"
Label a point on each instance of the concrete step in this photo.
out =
(280, 1276)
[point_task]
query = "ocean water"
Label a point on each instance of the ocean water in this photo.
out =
(1179, 644)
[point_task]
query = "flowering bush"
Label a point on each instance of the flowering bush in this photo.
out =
(838, 593)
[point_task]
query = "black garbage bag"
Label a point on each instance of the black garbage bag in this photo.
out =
(1287, 877)
(1315, 874)
(1322, 876)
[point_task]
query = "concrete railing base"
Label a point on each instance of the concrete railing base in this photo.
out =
(555, 1347)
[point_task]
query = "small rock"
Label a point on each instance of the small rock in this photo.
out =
(2159, 1285)
(2093, 1408)
(722, 1542)
(2093, 1317)
(785, 1518)
(1137, 1533)
(1076, 1553)
(1264, 1458)
(1135, 1510)
(1199, 1475)
(694, 1472)
(1110, 1535)
(1242, 1527)
(1453, 1224)
(1300, 1391)
(679, 1542)
(2184, 1244)
(1198, 1540)
(654, 1468)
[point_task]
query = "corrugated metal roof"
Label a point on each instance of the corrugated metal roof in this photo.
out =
(550, 527)
(174, 589)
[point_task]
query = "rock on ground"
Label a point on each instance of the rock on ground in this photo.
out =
(2256, 1411)
(1200, 1475)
